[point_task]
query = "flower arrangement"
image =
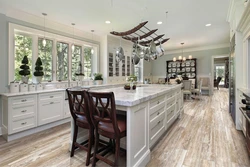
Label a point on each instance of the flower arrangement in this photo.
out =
(132, 78)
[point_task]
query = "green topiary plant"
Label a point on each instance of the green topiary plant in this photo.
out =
(98, 76)
(38, 69)
(24, 67)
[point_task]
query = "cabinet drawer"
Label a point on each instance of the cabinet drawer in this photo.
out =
(170, 122)
(156, 101)
(49, 96)
(170, 112)
(23, 124)
(170, 94)
(156, 110)
(23, 112)
(157, 128)
(170, 102)
(50, 111)
(157, 120)
(31, 99)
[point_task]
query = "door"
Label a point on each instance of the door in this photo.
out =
(232, 79)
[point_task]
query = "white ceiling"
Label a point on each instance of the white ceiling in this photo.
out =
(185, 21)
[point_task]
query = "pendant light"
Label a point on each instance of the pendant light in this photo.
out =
(181, 58)
(44, 40)
(92, 49)
(73, 46)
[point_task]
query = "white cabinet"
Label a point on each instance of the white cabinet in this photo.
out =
(50, 107)
(27, 113)
(156, 119)
(242, 119)
(19, 113)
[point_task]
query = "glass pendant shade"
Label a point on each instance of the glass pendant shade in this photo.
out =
(190, 57)
(180, 58)
(184, 58)
(44, 42)
(174, 59)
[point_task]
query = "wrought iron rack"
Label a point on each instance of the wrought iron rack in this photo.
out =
(143, 37)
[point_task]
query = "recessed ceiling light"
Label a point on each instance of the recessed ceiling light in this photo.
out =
(207, 25)
(107, 22)
(159, 22)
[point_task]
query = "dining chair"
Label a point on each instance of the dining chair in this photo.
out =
(198, 90)
(107, 123)
(187, 88)
(78, 104)
(206, 86)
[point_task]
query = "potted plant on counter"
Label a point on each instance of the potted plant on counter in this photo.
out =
(25, 72)
(38, 70)
(98, 78)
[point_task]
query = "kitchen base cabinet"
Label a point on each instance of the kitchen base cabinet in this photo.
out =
(248, 136)
(50, 107)
(31, 112)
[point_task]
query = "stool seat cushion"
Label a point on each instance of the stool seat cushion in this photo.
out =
(109, 128)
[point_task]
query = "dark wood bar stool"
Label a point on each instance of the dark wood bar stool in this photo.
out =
(78, 104)
(106, 123)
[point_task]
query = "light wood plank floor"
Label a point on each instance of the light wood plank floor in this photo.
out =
(204, 136)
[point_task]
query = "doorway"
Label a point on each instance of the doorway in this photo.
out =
(221, 69)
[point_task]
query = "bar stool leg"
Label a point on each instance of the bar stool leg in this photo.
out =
(74, 140)
(95, 147)
(117, 151)
(90, 142)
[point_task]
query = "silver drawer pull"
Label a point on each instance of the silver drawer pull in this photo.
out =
(24, 111)
(23, 100)
(51, 96)
(51, 102)
(172, 111)
(24, 123)
(158, 102)
(158, 113)
(158, 122)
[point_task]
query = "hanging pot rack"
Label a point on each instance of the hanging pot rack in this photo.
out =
(142, 39)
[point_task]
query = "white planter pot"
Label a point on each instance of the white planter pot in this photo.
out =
(14, 87)
(25, 79)
(98, 82)
(39, 79)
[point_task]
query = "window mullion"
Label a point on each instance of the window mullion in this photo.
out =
(54, 59)
(34, 55)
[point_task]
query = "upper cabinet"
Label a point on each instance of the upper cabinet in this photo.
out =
(118, 70)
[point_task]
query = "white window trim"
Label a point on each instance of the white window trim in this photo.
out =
(35, 34)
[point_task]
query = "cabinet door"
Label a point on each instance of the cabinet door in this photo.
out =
(110, 65)
(50, 111)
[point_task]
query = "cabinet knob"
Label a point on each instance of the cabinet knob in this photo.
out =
(158, 102)
(51, 96)
(23, 123)
(158, 113)
(51, 102)
(158, 122)
(24, 111)
(24, 100)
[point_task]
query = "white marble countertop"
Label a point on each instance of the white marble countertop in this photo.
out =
(30, 92)
(140, 94)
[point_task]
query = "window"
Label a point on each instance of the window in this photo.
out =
(87, 62)
(56, 61)
(220, 72)
(75, 60)
(45, 53)
(23, 46)
(62, 61)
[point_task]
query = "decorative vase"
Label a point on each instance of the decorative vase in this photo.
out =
(25, 79)
(98, 82)
(39, 79)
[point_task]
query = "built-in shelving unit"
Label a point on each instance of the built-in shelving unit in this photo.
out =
(111, 59)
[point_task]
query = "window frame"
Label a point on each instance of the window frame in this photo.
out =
(36, 34)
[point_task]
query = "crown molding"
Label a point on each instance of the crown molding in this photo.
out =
(208, 47)
(245, 19)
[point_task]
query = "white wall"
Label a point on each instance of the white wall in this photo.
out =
(204, 58)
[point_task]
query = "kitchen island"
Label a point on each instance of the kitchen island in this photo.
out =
(150, 111)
